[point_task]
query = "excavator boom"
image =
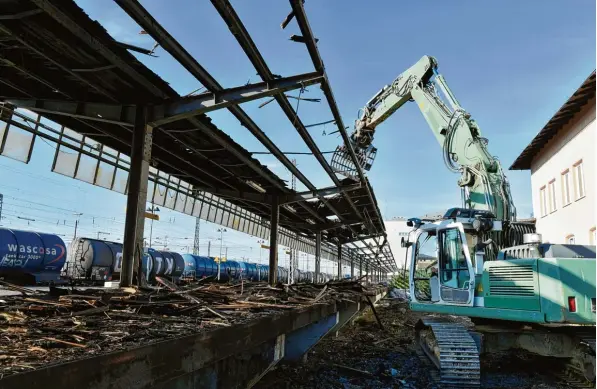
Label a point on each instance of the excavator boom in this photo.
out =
(482, 180)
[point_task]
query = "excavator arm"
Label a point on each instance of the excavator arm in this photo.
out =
(482, 180)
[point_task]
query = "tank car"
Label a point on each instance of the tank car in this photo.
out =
(31, 257)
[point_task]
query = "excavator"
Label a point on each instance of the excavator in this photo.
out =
(485, 281)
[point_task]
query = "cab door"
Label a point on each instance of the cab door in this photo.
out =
(456, 274)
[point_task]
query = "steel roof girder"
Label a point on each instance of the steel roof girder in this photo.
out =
(211, 101)
(316, 194)
(231, 18)
(174, 111)
(149, 24)
(71, 25)
(123, 115)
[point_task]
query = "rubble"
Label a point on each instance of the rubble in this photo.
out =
(365, 357)
(38, 329)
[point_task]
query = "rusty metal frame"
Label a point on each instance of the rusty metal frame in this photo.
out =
(217, 98)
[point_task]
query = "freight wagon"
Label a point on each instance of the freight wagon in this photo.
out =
(39, 258)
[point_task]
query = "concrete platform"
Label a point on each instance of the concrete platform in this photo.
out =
(231, 357)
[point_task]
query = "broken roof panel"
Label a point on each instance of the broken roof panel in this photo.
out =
(59, 53)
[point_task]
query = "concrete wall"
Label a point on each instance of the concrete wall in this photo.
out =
(574, 143)
(397, 229)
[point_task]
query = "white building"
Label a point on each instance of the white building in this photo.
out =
(396, 230)
(562, 162)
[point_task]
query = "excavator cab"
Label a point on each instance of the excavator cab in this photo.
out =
(441, 270)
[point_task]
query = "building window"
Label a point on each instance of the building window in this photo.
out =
(543, 201)
(570, 239)
(566, 198)
(552, 195)
(592, 236)
(579, 184)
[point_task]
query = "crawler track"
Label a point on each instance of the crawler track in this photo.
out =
(574, 374)
(458, 360)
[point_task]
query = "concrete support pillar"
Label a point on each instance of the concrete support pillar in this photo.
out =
(367, 272)
(273, 242)
(339, 262)
(291, 267)
(352, 266)
(132, 249)
(360, 265)
(317, 256)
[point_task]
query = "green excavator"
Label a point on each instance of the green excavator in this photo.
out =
(491, 285)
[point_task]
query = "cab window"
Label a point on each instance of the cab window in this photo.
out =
(453, 266)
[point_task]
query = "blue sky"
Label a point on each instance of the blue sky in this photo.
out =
(511, 64)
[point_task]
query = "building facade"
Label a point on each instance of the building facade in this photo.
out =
(562, 162)
(397, 229)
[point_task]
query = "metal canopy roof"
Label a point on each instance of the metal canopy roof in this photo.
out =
(58, 62)
(565, 114)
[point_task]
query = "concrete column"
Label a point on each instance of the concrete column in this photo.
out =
(317, 256)
(291, 267)
(132, 249)
(367, 272)
(352, 266)
(360, 265)
(273, 242)
(339, 262)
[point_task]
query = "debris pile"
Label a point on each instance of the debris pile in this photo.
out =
(42, 328)
(364, 356)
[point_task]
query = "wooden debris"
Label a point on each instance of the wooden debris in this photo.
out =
(353, 370)
(320, 295)
(91, 311)
(267, 305)
(46, 302)
(215, 313)
(374, 312)
(41, 328)
(65, 342)
(24, 291)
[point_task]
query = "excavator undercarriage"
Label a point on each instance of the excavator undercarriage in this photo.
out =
(456, 348)
(479, 261)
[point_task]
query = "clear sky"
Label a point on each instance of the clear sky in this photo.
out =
(511, 64)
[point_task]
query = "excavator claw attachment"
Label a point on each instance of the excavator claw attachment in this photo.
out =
(342, 163)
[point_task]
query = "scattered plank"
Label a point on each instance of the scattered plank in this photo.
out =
(268, 305)
(353, 370)
(74, 322)
(374, 312)
(320, 295)
(91, 311)
(218, 323)
(46, 302)
(218, 314)
(65, 342)
(24, 291)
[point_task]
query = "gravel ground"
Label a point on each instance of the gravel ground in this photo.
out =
(388, 359)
